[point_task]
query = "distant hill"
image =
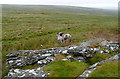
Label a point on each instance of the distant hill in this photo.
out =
(58, 9)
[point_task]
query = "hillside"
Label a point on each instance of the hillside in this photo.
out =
(58, 9)
(33, 27)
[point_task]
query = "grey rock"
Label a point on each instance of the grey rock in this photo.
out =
(45, 61)
(86, 73)
(64, 59)
(13, 54)
(77, 59)
(101, 62)
(69, 57)
(115, 57)
(107, 51)
(88, 43)
(94, 65)
(89, 55)
(46, 55)
(25, 60)
(100, 51)
(80, 52)
(36, 72)
(104, 43)
(91, 68)
(65, 52)
(113, 42)
(27, 57)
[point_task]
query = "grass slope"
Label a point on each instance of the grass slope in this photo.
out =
(65, 68)
(108, 69)
(22, 25)
(97, 57)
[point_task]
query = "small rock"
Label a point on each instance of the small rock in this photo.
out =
(100, 51)
(64, 59)
(89, 56)
(71, 48)
(69, 57)
(65, 52)
(112, 48)
(11, 61)
(46, 55)
(107, 51)
(43, 75)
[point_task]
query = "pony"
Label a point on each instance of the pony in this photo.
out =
(62, 37)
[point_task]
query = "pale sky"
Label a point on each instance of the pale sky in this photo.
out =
(83, 3)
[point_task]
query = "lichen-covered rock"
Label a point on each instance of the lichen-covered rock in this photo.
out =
(115, 57)
(45, 61)
(104, 43)
(27, 57)
(80, 52)
(88, 43)
(24, 60)
(18, 73)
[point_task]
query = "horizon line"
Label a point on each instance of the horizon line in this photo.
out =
(108, 8)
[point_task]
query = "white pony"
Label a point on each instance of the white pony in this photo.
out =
(63, 37)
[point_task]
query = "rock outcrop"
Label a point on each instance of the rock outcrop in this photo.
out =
(87, 72)
(43, 57)
(36, 72)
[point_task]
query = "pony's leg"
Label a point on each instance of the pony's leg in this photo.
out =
(70, 40)
(61, 41)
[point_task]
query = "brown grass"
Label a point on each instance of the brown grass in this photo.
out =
(59, 57)
(95, 44)
(30, 67)
(107, 34)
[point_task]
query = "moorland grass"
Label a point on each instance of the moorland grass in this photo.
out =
(67, 68)
(35, 27)
(108, 69)
(97, 57)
